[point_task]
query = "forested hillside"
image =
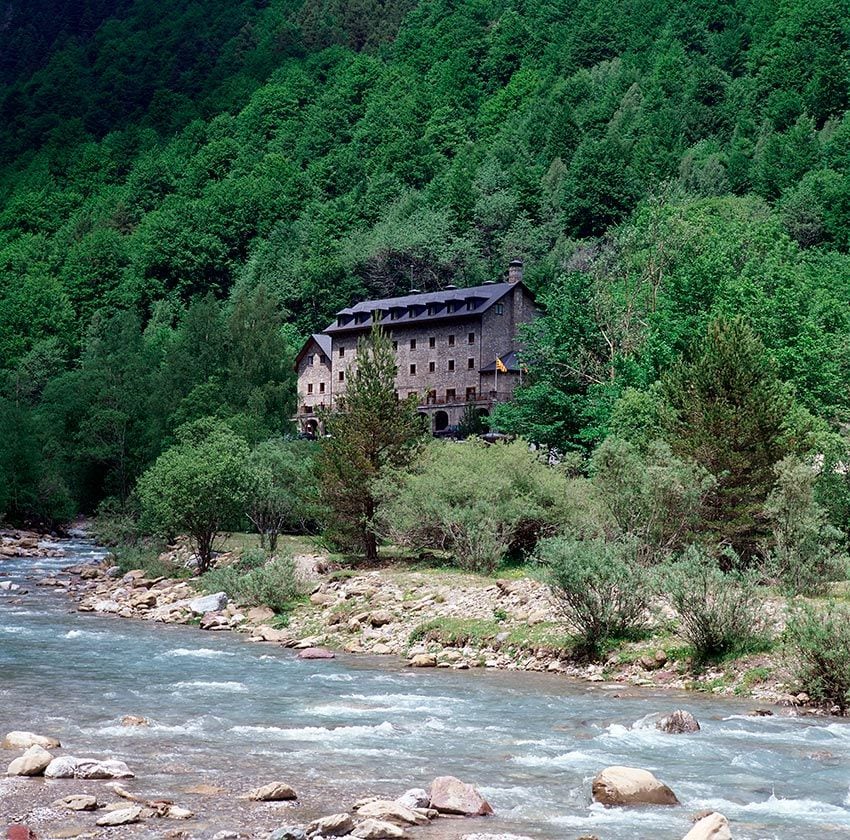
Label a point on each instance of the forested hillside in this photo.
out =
(188, 188)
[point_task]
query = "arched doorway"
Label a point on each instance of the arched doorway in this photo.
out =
(311, 427)
(441, 421)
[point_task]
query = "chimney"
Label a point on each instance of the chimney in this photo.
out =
(515, 271)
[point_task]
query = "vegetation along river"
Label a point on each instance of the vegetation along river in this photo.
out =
(230, 715)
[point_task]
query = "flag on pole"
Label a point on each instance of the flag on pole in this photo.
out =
(500, 365)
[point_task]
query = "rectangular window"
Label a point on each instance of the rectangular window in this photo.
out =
(470, 363)
(500, 308)
(310, 360)
(324, 359)
(450, 394)
(432, 342)
(470, 305)
(341, 352)
(395, 345)
(321, 387)
(451, 341)
(431, 396)
(470, 394)
(470, 339)
(309, 387)
(432, 366)
(412, 343)
(342, 376)
(413, 370)
(451, 364)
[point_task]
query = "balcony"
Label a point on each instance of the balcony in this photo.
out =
(478, 398)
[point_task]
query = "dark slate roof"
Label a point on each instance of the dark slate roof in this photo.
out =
(509, 360)
(483, 296)
(324, 342)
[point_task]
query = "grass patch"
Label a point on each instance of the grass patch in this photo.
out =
(455, 632)
(147, 558)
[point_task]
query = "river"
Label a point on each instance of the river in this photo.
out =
(233, 715)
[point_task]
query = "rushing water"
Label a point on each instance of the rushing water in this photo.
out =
(233, 714)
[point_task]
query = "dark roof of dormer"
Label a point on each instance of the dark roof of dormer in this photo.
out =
(414, 309)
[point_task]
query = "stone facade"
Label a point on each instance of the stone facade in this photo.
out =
(447, 345)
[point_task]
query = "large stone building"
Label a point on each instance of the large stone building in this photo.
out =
(454, 348)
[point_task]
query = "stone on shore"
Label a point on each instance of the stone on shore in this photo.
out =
(679, 722)
(452, 796)
(19, 740)
(70, 767)
(712, 827)
(273, 792)
(316, 653)
(631, 786)
(77, 802)
(263, 633)
(372, 829)
(288, 832)
(414, 798)
(423, 660)
(32, 763)
(208, 603)
(388, 810)
(123, 816)
(335, 825)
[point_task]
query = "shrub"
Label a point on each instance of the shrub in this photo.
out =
(717, 610)
(818, 642)
(599, 586)
(274, 584)
(480, 502)
(805, 553)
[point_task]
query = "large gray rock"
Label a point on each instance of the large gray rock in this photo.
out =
(20, 740)
(452, 796)
(208, 603)
(372, 829)
(679, 722)
(414, 798)
(32, 763)
(388, 810)
(712, 827)
(631, 786)
(77, 802)
(273, 792)
(70, 767)
(123, 816)
(62, 767)
(335, 825)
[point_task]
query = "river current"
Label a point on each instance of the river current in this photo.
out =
(231, 714)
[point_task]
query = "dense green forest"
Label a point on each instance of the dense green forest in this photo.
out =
(187, 189)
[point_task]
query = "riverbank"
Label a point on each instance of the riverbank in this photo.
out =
(440, 618)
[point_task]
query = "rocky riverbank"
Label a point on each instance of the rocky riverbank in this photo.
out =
(443, 619)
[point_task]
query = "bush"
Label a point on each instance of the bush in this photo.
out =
(274, 584)
(818, 642)
(600, 588)
(717, 610)
(481, 502)
(805, 552)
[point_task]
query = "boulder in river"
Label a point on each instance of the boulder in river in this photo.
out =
(32, 763)
(77, 802)
(316, 653)
(679, 722)
(70, 767)
(134, 720)
(19, 740)
(372, 829)
(335, 825)
(208, 603)
(123, 816)
(388, 810)
(714, 826)
(450, 795)
(631, 786)
(273, 792)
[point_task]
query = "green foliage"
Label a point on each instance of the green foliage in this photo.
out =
(479, 502)
(600, 587)
(818, 644)
(717, 610)
(271, 584)
(198, 486)
(805, 549)
(369, 432)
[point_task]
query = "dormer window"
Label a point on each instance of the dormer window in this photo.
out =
(470, 304)
(500, 308)
(450, 307)
(411, 311)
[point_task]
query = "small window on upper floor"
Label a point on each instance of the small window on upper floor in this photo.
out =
(342, 376)
(500, 308)
(450, 307)
(310, 359)
(470, 363)
(309, 387)
(470, 339)
(412, 343)
(341, 352)
(324, 359)
(321, 387)
(451, 364)
(395, 345)
(450, 394)
(470, 305)
(451, 341)
(432, 366)
(413, 370)
(432, 341)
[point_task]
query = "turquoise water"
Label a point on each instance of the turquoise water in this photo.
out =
(226, 712)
